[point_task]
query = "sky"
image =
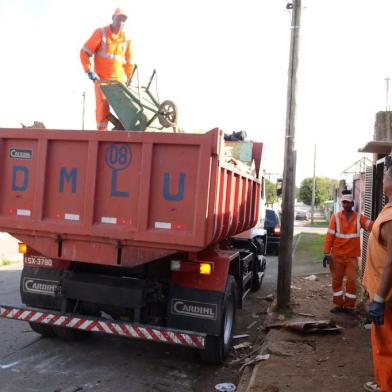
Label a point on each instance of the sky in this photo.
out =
(223, 62)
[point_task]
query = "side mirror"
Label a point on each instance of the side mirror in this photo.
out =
(279, 187)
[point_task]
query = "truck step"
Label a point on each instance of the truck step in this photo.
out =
(93, 324)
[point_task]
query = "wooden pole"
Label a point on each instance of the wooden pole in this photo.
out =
(288, 194)
(313, 185)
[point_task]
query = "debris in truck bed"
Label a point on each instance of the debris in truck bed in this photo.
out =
(36, 125)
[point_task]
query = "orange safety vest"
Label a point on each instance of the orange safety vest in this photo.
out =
(112, 55)
(343, 236)
(377, 255)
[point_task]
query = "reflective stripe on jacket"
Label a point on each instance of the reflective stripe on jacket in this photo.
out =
(112, 55)
(343, 236)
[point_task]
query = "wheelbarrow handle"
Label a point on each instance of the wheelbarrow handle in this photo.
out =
(151, 79)
(108, 81)
(131, 77)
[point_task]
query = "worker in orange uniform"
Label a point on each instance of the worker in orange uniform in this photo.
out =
(341, 252)
(111, 49)
(378, 282)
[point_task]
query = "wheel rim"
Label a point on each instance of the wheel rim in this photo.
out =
(167, 114)
(228, 323)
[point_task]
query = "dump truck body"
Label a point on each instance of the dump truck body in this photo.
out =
(150, 228)
(121, 198)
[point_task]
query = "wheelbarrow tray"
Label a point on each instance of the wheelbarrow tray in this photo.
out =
(135, 112)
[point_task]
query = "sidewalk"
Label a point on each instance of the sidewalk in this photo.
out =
(334, 361)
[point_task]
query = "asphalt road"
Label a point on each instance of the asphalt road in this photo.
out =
(30, 363)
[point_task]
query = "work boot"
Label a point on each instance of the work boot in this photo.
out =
(337, 309)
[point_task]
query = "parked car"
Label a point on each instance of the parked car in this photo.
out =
(272, 225)
(301, 215)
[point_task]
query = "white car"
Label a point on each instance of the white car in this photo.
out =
(301, 215)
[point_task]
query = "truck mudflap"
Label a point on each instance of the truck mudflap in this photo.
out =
(110, 327)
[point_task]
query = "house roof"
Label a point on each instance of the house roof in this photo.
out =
(377, 147)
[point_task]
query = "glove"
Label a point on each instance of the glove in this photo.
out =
(376, 312)
(92, 75)
(327, 260)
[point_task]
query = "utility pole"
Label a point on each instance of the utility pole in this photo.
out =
(288, 194)
(313, 185)
(84, 105)
(387, 106)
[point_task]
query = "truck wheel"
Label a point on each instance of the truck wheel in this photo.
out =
(42, 329)
(265, 246)
(217, 347)
(257, 274)
(70, 334)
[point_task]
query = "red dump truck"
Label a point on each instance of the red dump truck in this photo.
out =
(137, 234)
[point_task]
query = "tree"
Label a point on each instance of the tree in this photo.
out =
(270, 192)
(324, 190)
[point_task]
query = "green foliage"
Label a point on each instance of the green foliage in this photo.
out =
(270, 192)
(323, 223)
(324, 190)
(309, 247)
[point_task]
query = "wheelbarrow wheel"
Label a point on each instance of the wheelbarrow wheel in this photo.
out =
(167, 114)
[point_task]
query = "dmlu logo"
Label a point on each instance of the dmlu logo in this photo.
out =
(40, 286)
(194, 309)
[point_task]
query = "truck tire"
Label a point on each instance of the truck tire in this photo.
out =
(70, 333)
(217, 347)
(257, 274)
(42, 329)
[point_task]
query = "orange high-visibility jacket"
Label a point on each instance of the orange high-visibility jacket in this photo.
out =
(112, 55)
(376, 256)
(343, 236)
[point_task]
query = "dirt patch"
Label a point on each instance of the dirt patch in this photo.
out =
(325, 361)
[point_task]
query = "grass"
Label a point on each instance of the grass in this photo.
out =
(6, 262)
(323, 223)
(316, 223)
(309, 247)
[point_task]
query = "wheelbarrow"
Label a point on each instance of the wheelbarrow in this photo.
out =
(136, 108)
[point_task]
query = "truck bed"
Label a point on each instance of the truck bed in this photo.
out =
(121, 198)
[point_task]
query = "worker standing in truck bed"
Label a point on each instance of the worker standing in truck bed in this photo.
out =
(112, 51)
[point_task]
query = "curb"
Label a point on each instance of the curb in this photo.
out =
(248, 387)
(251, 380)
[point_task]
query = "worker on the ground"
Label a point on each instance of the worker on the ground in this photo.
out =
(341, 252)
(378, 282)
(112, 60)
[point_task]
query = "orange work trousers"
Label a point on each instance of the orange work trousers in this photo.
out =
(381, 337)
(341, 267)
(101, 109)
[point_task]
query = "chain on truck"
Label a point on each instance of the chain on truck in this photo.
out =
(151, 235)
